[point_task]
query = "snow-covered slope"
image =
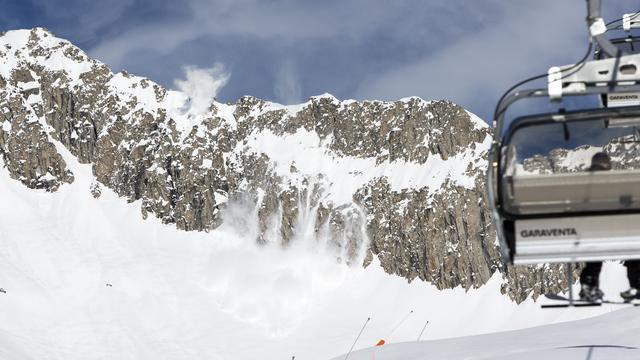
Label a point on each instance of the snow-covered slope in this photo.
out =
(193, 295)
(610, 336)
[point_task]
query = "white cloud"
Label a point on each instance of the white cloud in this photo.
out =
(287, 87)
(159, 38)
(202, 85)
(528, 40)
(89, 16)
(285, 22)
(473, 71)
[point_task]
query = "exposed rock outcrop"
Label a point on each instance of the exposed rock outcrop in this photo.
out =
(400, 180)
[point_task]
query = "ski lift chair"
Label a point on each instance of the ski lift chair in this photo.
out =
(548, 206)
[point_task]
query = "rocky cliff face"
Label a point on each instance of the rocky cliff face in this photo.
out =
(401, 181)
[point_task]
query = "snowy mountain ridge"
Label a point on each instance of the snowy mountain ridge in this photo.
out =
(401, 181)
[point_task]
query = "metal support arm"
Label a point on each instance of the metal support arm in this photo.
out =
(598, 29)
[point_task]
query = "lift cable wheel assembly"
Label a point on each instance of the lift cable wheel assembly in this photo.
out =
(564, 186)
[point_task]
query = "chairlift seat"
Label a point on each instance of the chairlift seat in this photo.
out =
(551, 207)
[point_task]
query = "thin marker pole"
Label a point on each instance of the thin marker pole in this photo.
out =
(400, 323)
(358, 337)
(424, 327)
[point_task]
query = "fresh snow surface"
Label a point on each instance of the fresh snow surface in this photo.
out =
(610, 336)
(15, 41)
(478, 123)
(190, 295)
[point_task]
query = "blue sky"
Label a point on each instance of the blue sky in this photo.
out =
(284, 50)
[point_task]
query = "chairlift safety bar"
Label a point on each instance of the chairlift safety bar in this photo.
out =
(609, 73)
(597, 77)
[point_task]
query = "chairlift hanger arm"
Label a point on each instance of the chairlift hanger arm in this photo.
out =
(598, 29)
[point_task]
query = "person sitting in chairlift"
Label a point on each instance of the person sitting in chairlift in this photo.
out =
(590, 275)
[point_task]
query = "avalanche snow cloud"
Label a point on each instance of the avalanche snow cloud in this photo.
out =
(139, 223)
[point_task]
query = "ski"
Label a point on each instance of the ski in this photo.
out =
(566, 302)
(581, 303)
